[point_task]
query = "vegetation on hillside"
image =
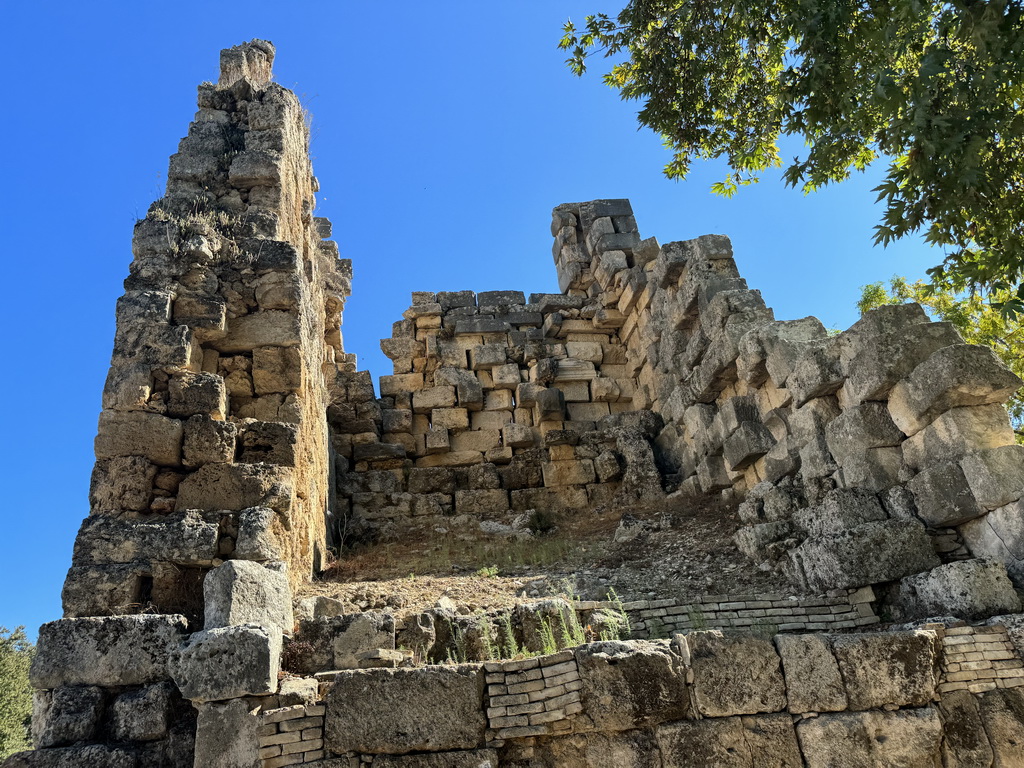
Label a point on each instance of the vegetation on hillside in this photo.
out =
(15, 691)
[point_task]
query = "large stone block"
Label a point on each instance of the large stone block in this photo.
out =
(143, 714)
(227, 663)
(191, 394)
(244, 592)
(964, 741)
(94, 756)
(236, 486)
(904, 739)
(258, 535)
(866, 554)
(360, 633)
(859, 428)
(184, 538)
(227, 735)
(628, 749)
(840, 510)
(277, 369)
(124, 483)
(996, 475)
(943, 496)
(999, 535)
(473, 758)
(954, 376)
(111, 651)
(970, 589)
(734, 675)
(813, 680)
(730, 742)
(958, 432)
(885, 669)
(629, 685)
(271, 328)
(1002, 712)
(72, 714)
(208, 441)
(135, 433)
(396, 711)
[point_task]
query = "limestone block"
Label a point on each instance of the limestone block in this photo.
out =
(629, 749)
(425, 400)
(268, 442)
(135, 433)
(755, 541)
(810, 420)
(943, 496)
(184, 538)
(517, 436)
(578, 472)
(143, 714)
(206, 315)
(607, 467)
(817, 372)
(783, 344)
(996, 475)
(964, 742)
(451, 459)
(730, 742)
(590, 351)
(908, 738)
(227, 735)
(278, 290)
(257, 537)
(94, 756)
(400, 383)
(487, 356)
(73, 715)
(749, 442)
(243, 592)
(813, 680)
(575, 391)
(207, 441)
(587, 411)
(840, 510)
(499, 400)
(631, 685)
(859, 428)
(605, 390)
(999, 535)
(866, 554)
(227, 662)
(122, 483)
(277, 369)
(476, 440)
(481, 502)
(1002, 712)
(954, 376)
(550, 406)
(875, 469)
(468, 390)
(111, 651)
(969, 589)
(269, 328)
(127, 387)
(878, 361)
(236, 486)
(497, 420)
(396, 710)
(958, 432)
(474, 758)
(712, 475)
(396, 420)
(736, 675)
(449, 418)
(359, 633)
(888, 668)
(102, 590)
(506, 376)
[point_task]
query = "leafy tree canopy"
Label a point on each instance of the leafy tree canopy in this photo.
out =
(15, 691)
(972, 314)
(935, 88)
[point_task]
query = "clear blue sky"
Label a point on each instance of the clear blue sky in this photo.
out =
(443, 134)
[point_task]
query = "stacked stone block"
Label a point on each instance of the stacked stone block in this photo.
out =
(978, 659)
(532, 697)
(291, 735)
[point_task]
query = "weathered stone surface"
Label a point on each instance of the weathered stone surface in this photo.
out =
(954, 376)
(996, 475)
(111, 651)
(628, 685)
(964, 742)
(969, 589)
(905, 739)
(813, 680)
(999, 535)
(94, 756)
(888, 668)
(185, 538)
(123, 483)
(866, 554)
(730, 742)
(236, 486)
(208, 441)
(360, 633)
(227, 735)
(840, 510)
(244, 592)
(859, 428)
(135, 433)
(628, 749)
(228, 662)
(958, 432)
(277, 369)
(191, 394)
(943, 496)
(259, 329)
(1002, 712)
(257, 535)
(398, 710)
(73, 715)
(142, 715)
(475, 758)
(735, 675)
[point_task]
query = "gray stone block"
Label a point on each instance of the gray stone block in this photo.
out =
(227, 663)
(734, 675)
(813, 680)
(243, 592)
(887, 669)
(969, 589)
(909, 739)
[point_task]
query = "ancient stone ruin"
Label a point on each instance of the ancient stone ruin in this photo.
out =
(875, 470)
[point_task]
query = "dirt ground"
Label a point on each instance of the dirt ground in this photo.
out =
(676, 548)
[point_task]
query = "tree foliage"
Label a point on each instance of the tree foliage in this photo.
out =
(15, 691)
(935, 88)
(970, 313)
